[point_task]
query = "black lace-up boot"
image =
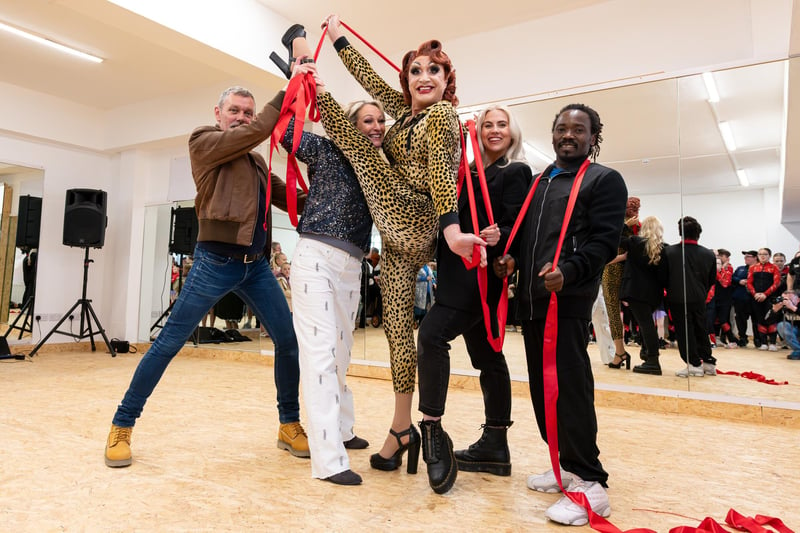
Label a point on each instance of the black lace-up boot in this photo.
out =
(489, 454)
(437, 451)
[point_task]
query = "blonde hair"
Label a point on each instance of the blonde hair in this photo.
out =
(351, 110)
(516, 151)
(653, 232)
(273, 263)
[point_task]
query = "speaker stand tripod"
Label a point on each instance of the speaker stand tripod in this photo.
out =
(87, 315)
(27, 323)
(157, 324)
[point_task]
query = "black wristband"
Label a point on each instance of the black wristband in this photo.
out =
(341, 43)
(306, 60)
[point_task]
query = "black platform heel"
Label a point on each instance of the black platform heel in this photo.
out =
(294, 31)
(396, 461)
(623, 358)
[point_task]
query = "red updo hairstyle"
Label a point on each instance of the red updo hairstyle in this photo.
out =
(432, 49)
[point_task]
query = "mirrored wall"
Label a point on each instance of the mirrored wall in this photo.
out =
(19, 253)
(166, 258)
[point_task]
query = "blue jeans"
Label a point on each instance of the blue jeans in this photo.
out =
(211, 277)
(789, 333)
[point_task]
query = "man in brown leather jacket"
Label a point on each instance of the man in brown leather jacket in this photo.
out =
(234, 237)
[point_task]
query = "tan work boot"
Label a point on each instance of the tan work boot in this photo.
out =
(118, 447)
(292, 438)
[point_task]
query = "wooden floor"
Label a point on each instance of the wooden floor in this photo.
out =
(205, 459)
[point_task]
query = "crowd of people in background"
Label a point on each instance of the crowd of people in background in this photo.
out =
(691, 295)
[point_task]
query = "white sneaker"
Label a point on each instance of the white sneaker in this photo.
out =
(773, 348)
(566, 512)
(763, 347)
(733, 345)
(709, 369)
(547, 482)
(689, 370)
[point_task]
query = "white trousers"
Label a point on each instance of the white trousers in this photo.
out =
(325, 296)
(602, 331)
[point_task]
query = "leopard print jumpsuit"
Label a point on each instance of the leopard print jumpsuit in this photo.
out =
(406, 195)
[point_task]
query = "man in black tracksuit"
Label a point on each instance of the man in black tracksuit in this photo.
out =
(691, 271)
(590, 242)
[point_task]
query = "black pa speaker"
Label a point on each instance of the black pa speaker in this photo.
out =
(85, 218)
(184, 231)
(29, 220)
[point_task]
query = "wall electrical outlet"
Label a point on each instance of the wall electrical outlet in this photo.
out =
(48, 317)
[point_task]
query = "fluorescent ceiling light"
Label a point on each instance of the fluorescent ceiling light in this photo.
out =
(51, 44)
(742, 175)
(534, 153)
(727, 136)
(711, 87)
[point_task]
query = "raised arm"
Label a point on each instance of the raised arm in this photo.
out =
(392, 99)
(212, 147)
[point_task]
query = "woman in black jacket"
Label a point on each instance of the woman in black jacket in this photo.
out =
(642, 288)
(457, 310)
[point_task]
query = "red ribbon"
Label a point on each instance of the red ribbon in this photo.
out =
(483, 283)
(301, 93)
(738, 522)
(370, 46)
(754, 376)
(465, 175)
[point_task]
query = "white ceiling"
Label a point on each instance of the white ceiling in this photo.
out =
(653, 131)
(420, 21)
(144, 60)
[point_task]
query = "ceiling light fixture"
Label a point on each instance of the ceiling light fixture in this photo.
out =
(742, 175)
(711, 87)
(727, 136)
(51, 44)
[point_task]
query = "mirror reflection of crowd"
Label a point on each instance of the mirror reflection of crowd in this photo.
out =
(424, 292)
(29, 262)
(370, 307)
(748, 303)
(231, 310)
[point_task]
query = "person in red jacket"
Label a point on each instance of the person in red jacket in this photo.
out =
(763, 280)
(719, 313)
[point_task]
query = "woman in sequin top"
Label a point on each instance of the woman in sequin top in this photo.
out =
(335, 231)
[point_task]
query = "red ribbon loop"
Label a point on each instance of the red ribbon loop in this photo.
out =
(301, 94)
(370, 46)
(483, 283)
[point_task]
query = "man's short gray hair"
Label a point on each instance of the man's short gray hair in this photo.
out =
(239, 91)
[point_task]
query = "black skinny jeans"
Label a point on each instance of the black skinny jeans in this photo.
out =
(577, 420)
(441, 325)
(643, 314)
